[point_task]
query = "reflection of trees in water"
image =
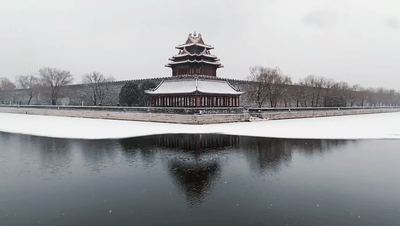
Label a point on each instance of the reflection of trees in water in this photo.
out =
(54, 154)
(97, 150)
(265, 155)
(311, 147)
(5, 139)
(98, 153)
(9, 141)
(269, 155)
(139, 146)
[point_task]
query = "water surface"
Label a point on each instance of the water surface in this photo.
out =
(198, 180)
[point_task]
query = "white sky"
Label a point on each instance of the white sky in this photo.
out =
(348, 40)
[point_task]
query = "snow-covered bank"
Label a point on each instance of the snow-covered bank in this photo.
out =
(372, 126)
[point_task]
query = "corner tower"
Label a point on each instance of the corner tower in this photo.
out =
(194, 59)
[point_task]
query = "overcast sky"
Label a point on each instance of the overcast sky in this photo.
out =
(347, 40)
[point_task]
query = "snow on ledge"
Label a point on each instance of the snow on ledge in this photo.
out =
(371, 126)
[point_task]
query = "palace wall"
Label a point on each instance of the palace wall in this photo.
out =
(79, 94)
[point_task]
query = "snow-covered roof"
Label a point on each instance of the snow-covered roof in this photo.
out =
(194, 61)
(194, 54)
(193, 85)
(194, 40)
(183, 52)
(215, 86)
(194, 44)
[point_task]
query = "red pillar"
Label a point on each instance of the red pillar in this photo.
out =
(197, 101)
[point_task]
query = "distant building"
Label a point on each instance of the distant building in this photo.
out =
(196, 85)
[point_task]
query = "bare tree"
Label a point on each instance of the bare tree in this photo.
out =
(288, 95)
(361, 95)
(29, 83)
(269, 85)
(383, 96)
(262, 78)
(5, 84)
(97, 85)
(296, 94)
(328, 91)
(309, 82)
(316, 84)
(301, 94)
(391, 97)
(278, 87)
(345, 92)
(355, 93)
(54, 79)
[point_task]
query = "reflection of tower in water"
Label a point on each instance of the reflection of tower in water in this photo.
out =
(195, 179)
(196, 142)
(194, 167)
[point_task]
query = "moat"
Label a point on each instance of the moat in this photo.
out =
(198, 179)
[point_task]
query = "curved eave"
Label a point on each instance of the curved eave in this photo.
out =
(193, 92)
(195, 61)
(194, 86)
(169, 65)
(165, 93)
(195, 54)
(236, 93)
(194, 44)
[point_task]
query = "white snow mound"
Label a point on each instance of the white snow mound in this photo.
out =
(371, 126)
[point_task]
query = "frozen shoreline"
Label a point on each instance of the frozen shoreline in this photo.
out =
(371, 126)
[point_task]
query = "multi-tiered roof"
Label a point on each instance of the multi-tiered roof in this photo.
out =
(193, 66)
(194, 59)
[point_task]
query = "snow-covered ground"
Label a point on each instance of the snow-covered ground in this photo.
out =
(371, 126)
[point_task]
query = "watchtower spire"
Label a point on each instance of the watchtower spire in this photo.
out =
(194, 58)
